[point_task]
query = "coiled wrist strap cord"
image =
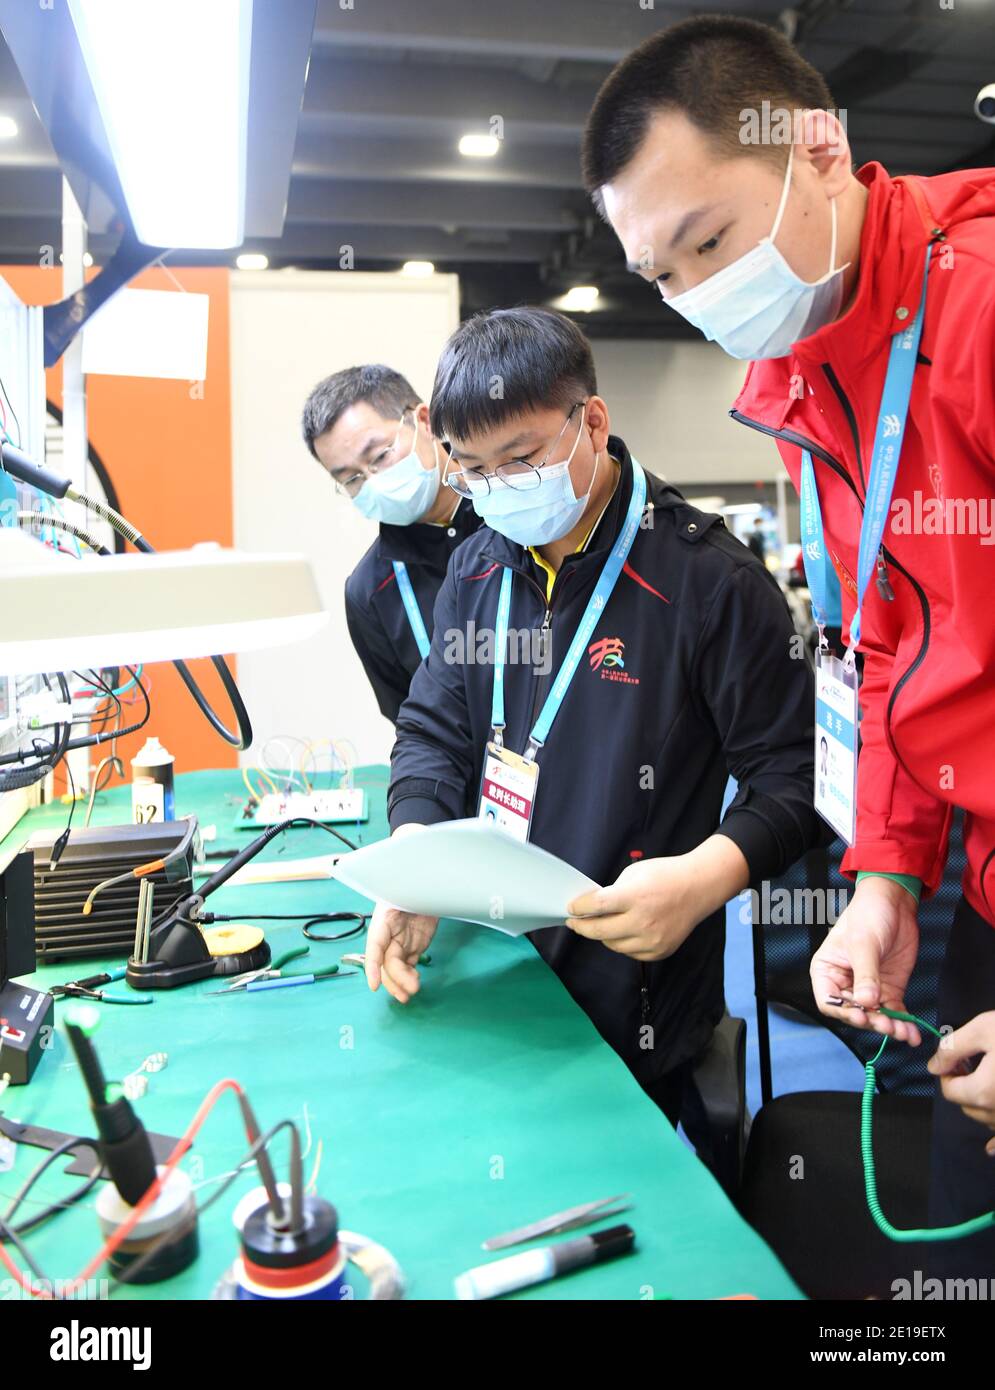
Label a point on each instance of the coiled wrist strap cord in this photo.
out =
(963, 1228)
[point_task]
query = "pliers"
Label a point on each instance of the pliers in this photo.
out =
(267, 972)
(90, 989)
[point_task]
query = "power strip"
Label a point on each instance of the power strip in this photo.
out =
(339, 805)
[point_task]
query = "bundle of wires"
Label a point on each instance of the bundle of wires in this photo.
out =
(14, 1235)
(286, 768)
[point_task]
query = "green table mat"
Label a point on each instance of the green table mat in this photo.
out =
(487, 1102)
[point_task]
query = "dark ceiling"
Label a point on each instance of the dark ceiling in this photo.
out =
(393, 84)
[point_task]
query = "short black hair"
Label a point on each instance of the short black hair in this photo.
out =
(387, 391)
(505, 362)
(711, 67)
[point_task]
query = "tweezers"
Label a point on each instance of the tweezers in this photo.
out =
(569, 1220)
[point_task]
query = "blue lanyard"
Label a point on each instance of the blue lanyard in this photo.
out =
(596, 605)
(892, 415)
(819, 573)
(411, 608)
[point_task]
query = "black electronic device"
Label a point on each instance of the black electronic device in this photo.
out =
(25, 1013)
(92, 856)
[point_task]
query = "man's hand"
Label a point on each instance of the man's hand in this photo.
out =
(975, 1091)
(870, 953)
(394, 942)
(653, 906)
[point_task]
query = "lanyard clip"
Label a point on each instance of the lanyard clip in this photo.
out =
(498, 732)
(532, 750)
(823, 644)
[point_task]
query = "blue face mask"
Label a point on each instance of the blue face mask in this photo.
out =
(537, 515)
(757, 307)
(402, 493)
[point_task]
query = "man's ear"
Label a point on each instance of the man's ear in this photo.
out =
(421, 415)
(823, 137)
(597, 421)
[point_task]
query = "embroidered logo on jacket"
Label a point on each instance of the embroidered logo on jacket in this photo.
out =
(607, 657)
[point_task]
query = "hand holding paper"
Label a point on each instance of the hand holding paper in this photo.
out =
(468, 870)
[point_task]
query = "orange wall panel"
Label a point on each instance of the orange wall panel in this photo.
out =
(167, 447)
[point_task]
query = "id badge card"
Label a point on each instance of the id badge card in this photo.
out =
(836, 744)
(507, 790)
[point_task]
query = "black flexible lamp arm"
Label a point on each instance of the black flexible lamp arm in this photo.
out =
(25, 470)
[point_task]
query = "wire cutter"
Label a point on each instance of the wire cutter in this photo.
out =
(267, 972)
(90, 988)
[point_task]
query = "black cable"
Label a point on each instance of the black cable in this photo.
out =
(67, 1146)
(309, 920)
(222, 875)
(92, 678)
(7, 1236)
(108, 735)
(361, 919)
(243, 735)
(47, 754)
(43, 479)
(63, 840)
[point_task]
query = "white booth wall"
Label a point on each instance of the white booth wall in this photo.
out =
(288, 330)
(670, 402)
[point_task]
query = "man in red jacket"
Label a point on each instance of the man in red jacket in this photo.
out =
(714, 151)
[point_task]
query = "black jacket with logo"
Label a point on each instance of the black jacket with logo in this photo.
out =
(375, 614)
(698, 678)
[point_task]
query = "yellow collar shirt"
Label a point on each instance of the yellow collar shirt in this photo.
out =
(544, 565)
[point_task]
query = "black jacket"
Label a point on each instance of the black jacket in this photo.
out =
(637, 760)
(377, 621)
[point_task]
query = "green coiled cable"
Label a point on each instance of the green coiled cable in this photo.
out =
(963, 1228)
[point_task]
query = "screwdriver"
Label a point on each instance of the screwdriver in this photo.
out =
(287, 981)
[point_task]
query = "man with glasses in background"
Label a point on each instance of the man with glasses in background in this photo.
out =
(370, 432)
(644, 698)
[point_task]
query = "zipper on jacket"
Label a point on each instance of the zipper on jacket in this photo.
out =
(644, 992)
(981, 876)
(851, 418)
(882, 580)
(817, 451)
(545, 636)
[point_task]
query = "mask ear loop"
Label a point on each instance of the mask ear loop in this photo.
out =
(570, 456)
(780, 213)
(784, 194)
(832, 244)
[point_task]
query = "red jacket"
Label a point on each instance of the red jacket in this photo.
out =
(928, 693)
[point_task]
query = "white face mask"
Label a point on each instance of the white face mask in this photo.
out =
(402, 493)
(540, 514)
(757, 306)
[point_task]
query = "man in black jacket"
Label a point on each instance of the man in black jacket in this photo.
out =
(370, 432)
(689, 672)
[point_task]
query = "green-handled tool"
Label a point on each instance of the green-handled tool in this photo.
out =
(90, 988)
(251, 976)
